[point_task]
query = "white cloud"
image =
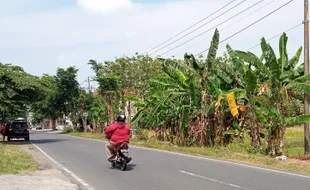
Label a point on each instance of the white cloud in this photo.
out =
(104, 6)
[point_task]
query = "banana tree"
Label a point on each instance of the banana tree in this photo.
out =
(169, 99)
(98, 113)
(276, 78)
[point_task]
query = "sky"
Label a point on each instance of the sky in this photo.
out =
(44, 35)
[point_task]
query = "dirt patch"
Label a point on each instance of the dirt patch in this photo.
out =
(51, 179)
(302, 157)
(48, 177)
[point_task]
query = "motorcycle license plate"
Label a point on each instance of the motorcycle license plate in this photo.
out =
(125, 152)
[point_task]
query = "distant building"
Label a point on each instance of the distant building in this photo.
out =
(95, 93)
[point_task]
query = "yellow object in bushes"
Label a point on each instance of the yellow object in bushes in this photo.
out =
(232, 103)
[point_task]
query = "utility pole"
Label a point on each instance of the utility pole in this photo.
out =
(307, 71)
(89, 90)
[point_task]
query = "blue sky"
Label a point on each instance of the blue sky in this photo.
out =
(41, 35)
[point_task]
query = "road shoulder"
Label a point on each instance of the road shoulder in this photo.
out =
(49, 175)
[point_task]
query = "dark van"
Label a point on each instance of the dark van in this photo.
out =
(18, 129)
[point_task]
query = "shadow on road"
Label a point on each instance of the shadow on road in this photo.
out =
(131, 167)
(16, 142)
(46, 141)
(38, 141)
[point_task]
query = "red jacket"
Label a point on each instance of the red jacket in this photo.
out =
(120, 133)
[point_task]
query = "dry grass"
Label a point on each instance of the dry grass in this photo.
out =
(236, 152)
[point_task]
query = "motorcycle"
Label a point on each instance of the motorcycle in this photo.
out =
(121, 157)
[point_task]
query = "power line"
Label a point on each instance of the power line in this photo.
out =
(200, 27)
(246, 16)
(213, 27)
(296, 26)
(193, 25)
(262, 18)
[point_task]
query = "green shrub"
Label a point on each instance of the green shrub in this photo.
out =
(142, 134)
(67, 130)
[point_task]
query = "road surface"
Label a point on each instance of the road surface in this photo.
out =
(155, 170)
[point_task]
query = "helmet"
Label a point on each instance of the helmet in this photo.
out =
(121, 117)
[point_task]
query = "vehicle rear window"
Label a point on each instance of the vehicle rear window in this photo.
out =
(18, 125)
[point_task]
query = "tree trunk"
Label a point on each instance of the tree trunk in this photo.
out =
(95, 126)
(270, 145)
(111, 114)
(53, 122)
(109, 100)
(74, 126)
(84, 121)
(129, 112)
(180, 133)
(281, 140)
(255, 136)
(202, 124)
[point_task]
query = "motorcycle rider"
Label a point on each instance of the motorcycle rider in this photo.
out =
(116, 133)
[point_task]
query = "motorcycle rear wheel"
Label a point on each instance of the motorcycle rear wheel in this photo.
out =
(124, 166)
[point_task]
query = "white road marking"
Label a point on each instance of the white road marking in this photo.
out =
(213, 180)
(206, 158)
(65, 169)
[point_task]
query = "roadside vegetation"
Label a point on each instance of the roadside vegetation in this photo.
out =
(14, 160)
(239, 106)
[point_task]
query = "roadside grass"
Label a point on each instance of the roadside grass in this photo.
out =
(67, 130)
(240, 152)
(295, 141)
(14, 160)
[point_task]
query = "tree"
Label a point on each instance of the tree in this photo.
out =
(274, 80)
(18, 90)
(98, 113)
(67, 89)
(57, 95)
(108, 85)
(81, 104)
(46, 106)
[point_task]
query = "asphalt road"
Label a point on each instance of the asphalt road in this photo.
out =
(155, 170)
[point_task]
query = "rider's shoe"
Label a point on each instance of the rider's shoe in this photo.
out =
(111, 159)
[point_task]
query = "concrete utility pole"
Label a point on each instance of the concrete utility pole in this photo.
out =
(89, 90)
(307, 71)
(85, 115)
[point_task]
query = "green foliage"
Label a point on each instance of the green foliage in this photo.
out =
(67, 130)
(18, 90)
(46, 106)
(81, 104)
(67, 88)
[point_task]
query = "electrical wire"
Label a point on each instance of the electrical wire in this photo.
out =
(296, 26)
(221, 30)
(193, 25)
(213, 27)
(262, 18)
(199, 27)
